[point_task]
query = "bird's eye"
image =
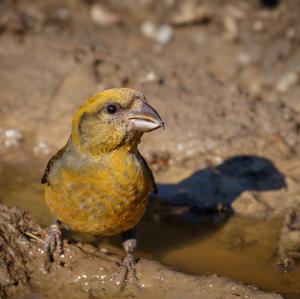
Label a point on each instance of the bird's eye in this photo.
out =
(111, 108)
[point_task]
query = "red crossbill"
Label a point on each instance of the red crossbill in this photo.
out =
(98, 182)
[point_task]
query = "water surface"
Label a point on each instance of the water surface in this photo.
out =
(244, 249)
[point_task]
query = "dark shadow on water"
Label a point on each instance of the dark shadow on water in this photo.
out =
(221, 185)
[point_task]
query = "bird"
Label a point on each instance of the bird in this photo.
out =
(99, 182)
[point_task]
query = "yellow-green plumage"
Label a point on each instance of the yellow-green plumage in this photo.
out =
(98, 183)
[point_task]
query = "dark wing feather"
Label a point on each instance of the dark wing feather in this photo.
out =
(51, 162)
(154, 187)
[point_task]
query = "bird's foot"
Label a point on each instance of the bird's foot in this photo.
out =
(54, 240)
(126, 272)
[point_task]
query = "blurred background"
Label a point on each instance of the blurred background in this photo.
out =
(224, 75)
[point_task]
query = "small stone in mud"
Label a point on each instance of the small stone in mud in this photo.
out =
(231, 28)
(149, 77)
(102, 16)
(258, 26)
(287, 81)
(164, 34)
(244, 58)
(41, 147)
(191, 13)
(161, 34)
(12, 137)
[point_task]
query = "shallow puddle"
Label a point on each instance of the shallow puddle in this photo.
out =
(241, 248)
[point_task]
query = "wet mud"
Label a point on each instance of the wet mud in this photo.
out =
(84, 272)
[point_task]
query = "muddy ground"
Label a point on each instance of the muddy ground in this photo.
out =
(85, 272)
(224, 76)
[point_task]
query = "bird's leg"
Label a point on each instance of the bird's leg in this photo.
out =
(128, 263)
(129, 244)
(54, 240)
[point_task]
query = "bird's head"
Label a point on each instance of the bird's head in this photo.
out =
(113, 118)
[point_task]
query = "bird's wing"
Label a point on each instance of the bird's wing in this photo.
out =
(51, 162)
(149, 171)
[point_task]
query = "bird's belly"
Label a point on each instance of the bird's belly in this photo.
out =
(104, 206)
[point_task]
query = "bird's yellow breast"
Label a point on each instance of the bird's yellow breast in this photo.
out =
(104, 196)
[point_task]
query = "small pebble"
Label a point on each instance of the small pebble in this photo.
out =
(104, 250)
(287, 81)
(190, 12)
(41, 147)
(179, 146)
(161, 34)
(103, 17)
(231, 28)
(258, 26)
(244, 58)
(12, 137)
(149, 77)
(148, 29)
(164, 34)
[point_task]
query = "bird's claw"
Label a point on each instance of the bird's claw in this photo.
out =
(126, 272)
(54, 240)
